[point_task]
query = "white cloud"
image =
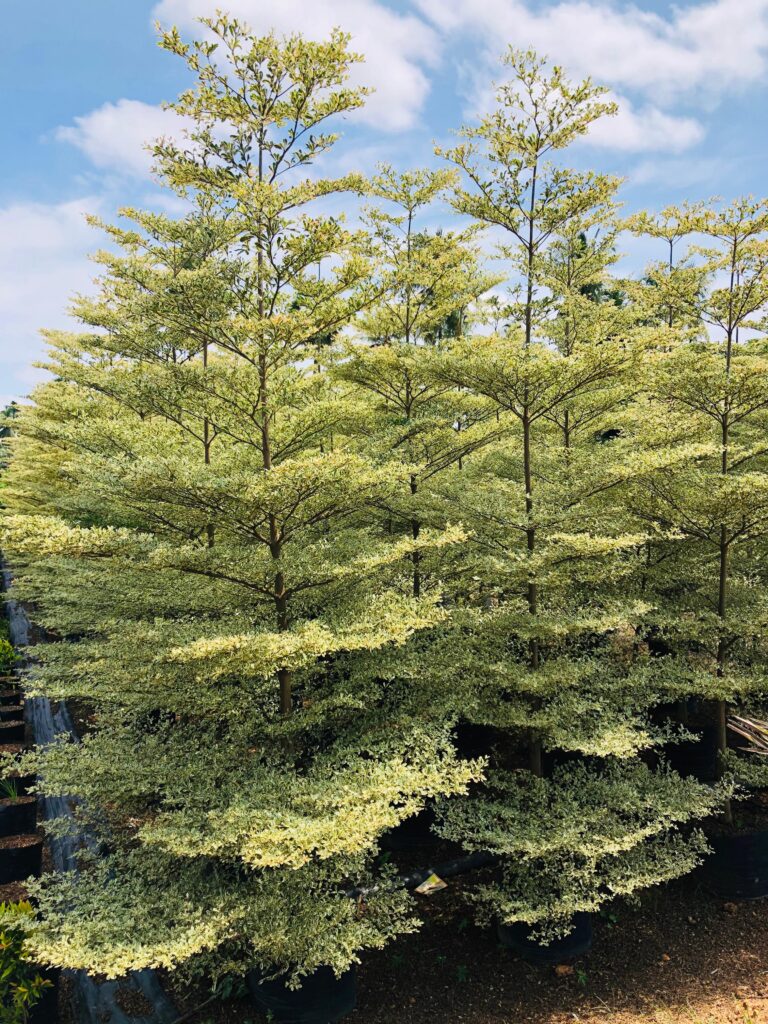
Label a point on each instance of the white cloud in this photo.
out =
(116, 135)
(397, 47)
(646, 129)
(42, 262)
(701, 46)
(681, 173)
(694, 54)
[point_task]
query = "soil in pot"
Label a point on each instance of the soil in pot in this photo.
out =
(11, 711)
(13, 892)
(18, 815)
(13, 748)
(517, 937)
(322, 999)
(737, 869)
(12, 732)
(20, 857)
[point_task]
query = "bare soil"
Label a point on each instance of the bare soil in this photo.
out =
(13, 892)
(17, 842)
(682, 956)
(7, 801)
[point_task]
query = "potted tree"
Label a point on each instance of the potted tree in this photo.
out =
(428, 281)
(18, 810)
(210, 565)
(551, 649)
(709, 400)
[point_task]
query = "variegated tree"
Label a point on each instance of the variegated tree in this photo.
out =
(206, 553)
(552, 652)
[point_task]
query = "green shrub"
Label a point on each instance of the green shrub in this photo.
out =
(21, 983)
(8, 656)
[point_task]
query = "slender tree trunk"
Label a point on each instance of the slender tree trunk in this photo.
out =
(209, 530)
(534, 743)
(284, 675)
(416, 555)
(722, 610)
(682, 705)
(415, 522)
(530, 255)
(567, 435)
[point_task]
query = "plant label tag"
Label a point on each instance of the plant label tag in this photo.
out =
(432, 884)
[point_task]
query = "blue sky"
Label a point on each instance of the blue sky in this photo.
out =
(81, 83)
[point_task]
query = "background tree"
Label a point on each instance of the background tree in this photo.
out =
(672, 285)
(426, 279)
(712, 509)
(7, 417)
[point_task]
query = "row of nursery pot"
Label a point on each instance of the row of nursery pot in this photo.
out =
(28, 993)
(20, 845)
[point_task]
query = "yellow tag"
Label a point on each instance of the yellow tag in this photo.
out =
(431, 884)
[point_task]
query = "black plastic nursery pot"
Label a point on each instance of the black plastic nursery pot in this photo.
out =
(9, 696)
(12, 732)
(20, 857)
(738, 866)
(8, 712)
(577, 942)
(322, 999)
(18, 816)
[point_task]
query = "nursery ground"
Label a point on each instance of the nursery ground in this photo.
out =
(681, 957)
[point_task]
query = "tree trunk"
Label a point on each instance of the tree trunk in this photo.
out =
(722, 609)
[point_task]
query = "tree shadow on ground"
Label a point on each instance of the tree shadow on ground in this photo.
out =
(682, 956)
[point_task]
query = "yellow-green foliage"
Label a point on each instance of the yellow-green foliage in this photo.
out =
(193, 511)
(296, 517)
(21, 983)
(7, 655)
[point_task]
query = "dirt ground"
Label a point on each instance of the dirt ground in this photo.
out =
(681, 957)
